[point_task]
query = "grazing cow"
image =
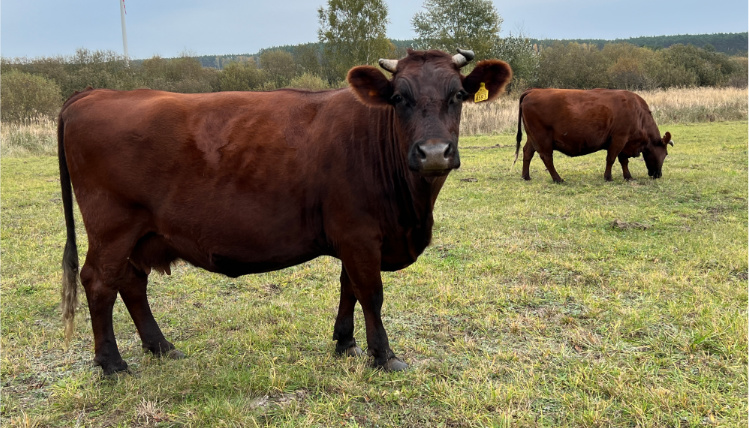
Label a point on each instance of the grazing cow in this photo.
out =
(577, 122)
(248, 182)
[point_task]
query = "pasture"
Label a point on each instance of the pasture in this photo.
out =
(581, 304)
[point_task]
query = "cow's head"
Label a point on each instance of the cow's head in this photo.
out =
(427, 92)
(655, 153)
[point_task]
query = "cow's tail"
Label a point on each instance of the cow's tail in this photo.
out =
(519, 136)
(70, 254)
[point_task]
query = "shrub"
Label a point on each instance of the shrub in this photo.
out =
(279, 66)
(182, 74)
(572, 65)
(309, 81)
(26, 97)
(626, 68)
(738, 78)
(241, 76)
(518, 51)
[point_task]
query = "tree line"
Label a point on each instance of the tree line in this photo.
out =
(352, 32)
(734, 44)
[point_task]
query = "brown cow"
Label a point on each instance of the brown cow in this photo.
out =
(248, 182)
(577, 122)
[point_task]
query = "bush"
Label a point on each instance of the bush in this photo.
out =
(519, 53)
(572, 65)
(26, 97)
(279, 66)
(738, 78)
(182, 74)
(241, 76)
(626, 69)
(309, 81)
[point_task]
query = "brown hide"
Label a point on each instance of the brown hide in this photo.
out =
(247, 182)
(579, 122)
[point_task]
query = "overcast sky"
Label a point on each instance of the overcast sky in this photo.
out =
(169, 28)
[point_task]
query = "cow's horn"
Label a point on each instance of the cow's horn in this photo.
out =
(389, 64)
(463, 57)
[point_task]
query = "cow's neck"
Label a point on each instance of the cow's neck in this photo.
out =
(414, 195)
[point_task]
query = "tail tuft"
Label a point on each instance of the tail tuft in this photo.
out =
(69, 292)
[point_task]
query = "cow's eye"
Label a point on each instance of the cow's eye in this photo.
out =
(396, 99)
(460, 96)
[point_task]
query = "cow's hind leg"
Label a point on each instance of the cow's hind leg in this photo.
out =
(548, 159)
(528, 152)
(133, 293)
(108, 270)
(150, 251)
(343, 331)
(101, 293)
(615, 148)
(624, 161)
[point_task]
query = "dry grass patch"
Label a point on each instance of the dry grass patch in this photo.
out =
(35, 138)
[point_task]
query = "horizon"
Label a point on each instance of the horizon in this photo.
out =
(392, 39)
(172, 28)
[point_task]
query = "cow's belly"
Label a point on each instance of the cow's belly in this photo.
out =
(243, 237)
(234, 267)
(574, 145)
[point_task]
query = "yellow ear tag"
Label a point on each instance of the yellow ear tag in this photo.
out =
(482, 94)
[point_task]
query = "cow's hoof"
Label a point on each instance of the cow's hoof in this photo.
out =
(353, 351)
(110, 369)
(394, 364)
(175, 354)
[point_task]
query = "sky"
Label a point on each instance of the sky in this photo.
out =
(171, 28)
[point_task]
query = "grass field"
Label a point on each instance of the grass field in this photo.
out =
(582, 304)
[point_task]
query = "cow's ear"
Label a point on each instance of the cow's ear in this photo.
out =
(370, 85)
(494, 74)
(667, 139)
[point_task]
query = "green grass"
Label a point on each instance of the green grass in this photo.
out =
(582, 304)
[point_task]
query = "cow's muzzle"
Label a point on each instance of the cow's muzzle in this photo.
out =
(654, 173)
(433, 157)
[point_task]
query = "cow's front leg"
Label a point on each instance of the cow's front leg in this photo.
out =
(343, 331)
(363, 270)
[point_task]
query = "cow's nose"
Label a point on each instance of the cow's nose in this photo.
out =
(434, 157)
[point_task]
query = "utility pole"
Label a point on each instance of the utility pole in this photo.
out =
(124, 32)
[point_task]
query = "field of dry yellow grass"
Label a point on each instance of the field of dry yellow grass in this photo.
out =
(678, 105)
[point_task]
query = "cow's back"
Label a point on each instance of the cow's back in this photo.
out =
(581, 121)
(178, 165)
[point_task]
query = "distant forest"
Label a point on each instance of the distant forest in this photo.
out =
(733, 44)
